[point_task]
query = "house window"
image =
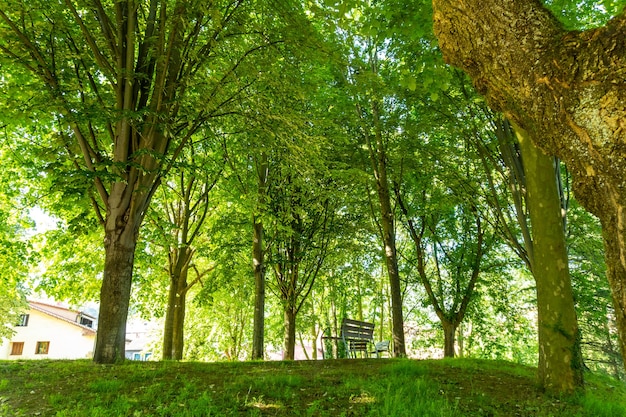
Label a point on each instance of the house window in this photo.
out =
(86, 322)
(17, 348)
(23, 321)
(42, 348)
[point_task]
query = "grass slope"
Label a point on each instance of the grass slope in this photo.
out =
(362, 387)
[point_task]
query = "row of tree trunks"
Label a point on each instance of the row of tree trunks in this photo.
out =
(566, 89)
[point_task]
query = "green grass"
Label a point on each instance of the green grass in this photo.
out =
(371, 387)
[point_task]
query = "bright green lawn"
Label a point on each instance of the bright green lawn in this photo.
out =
(357, 387)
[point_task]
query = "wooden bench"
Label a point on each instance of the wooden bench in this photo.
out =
(380, 348)
(356, 335)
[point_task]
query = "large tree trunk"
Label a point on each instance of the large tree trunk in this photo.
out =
(560, 359)
(615, 251)
(115, 295)
(449, 336)
(566, 89)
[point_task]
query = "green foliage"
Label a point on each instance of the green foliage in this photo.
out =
(592, 294)
(16, 254)
(72, 266)
(577, 15)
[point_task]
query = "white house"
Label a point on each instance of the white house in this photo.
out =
(140, 336)
(49, 331)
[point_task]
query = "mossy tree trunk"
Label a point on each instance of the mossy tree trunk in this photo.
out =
(560, 359)
(566, 89)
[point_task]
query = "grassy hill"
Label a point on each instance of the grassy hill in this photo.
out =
(362, 387)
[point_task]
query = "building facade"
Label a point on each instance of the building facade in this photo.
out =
(49, 331)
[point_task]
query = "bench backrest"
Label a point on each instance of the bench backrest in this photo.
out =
(357, 330)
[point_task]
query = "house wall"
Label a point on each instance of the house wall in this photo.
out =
(67, 341)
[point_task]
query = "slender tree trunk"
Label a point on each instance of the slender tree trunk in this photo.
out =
(290, 333)
(359, 297)
(449, 338)
(314, 337)
(335, 328)
(560, 359)
(381, 329)
(461, 340)
(168, 328)
(301, 340)
(314, 332)
(180, 307)
(173, 335)
(259, 292)
(379, 163)
(258, 264)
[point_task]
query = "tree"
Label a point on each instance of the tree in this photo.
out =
(258, 260)
(304, 211)
(562, 87)
(375, 139)
(366, 77)
(560, 359)
(127, 84)
(449, 260)
(184, 204)
(537, 199)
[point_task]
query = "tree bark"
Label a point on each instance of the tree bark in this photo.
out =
(449, 336)
(179, 260)
(378, 158)
(168, 327)
(258, 330)
(566, 89)
(560, 359)
(290, 333)
(173, 337)
(258, 264)
(179, 309)
(391, 260)
(115, 295)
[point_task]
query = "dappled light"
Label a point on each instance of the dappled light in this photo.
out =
(292, 207)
